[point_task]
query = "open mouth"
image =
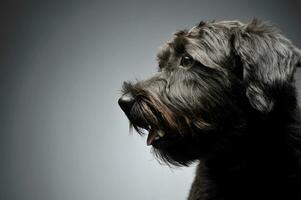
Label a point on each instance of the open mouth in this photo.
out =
(145, 121)
(154, 135)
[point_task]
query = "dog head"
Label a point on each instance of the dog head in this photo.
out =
(209, 79)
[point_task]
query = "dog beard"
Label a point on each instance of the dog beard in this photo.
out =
(179, 135)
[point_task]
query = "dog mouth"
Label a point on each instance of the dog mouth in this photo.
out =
(147, 121)
(154, 136)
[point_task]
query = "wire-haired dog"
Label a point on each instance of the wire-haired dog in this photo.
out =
(224, 96)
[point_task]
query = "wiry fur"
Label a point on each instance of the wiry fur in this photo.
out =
(234, 110)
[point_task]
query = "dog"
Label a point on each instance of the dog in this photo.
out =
(225, 97)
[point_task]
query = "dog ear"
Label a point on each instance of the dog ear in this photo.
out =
(269, 61)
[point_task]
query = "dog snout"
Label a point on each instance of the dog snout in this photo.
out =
(126, 102)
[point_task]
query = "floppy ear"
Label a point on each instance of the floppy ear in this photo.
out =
(269, 61)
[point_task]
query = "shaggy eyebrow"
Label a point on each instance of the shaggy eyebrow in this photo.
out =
(176, 46)
(163, 56)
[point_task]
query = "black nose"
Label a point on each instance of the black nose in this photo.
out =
(126, 102)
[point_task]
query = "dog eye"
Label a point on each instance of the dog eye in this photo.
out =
(187, 61)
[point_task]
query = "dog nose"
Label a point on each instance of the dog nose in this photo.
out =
(126, 102)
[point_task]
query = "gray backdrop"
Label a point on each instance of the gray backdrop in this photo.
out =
(62, 134)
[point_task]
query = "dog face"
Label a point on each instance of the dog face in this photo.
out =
(210, 78)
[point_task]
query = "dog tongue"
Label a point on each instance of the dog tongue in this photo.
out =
(151, 137)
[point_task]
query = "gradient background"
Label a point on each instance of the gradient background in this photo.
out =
(62, 134)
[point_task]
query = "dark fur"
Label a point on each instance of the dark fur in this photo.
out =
(234, 110)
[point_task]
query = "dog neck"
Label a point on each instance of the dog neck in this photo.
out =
(268, 156)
